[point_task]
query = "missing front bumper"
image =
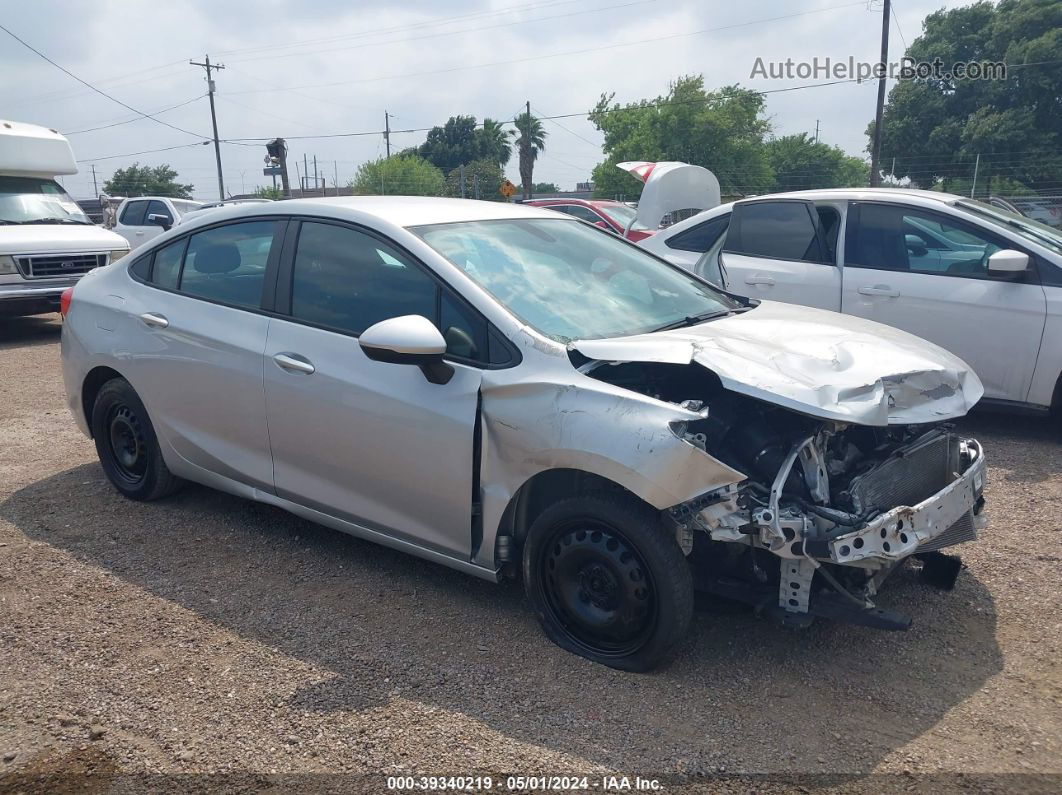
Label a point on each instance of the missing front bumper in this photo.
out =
(950, 516)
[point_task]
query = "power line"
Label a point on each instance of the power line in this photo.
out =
(97, 90)
(495, 26)
(145, 152)
(582, 51)
(138, 118)
(394, 28)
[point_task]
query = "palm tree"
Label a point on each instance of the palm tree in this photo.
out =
(495, 141)
(530, 140)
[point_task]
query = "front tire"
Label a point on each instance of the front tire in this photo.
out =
(126, 444)
(607, 582)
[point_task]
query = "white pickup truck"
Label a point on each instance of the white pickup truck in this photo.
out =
(144, 218)
(979, 281)
(46, 242)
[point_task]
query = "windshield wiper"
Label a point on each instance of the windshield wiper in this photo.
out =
(54, 221)
(693, 320)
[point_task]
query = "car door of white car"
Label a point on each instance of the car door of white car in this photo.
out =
(784, 250)
(133, 222)
(995, 325)
(365, 441)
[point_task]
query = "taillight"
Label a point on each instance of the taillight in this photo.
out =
(64, 301)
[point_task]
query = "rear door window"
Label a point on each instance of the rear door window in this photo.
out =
(228, 263)
(775, 230)
(166, 271)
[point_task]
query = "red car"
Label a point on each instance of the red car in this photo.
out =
(610, 215)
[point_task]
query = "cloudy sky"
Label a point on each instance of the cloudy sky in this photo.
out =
(334, 66)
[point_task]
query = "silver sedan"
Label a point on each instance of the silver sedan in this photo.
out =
(512, 392)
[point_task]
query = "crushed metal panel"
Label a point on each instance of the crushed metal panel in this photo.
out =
(585, 424)
(819, 363)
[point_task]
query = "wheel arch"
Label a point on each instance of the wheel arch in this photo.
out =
(545, 488)
(90, 388)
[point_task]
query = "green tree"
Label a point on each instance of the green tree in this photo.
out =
(544, 187)
(530, 140)
(454, 143)
(494, 142)
(800, 162)
(483, 178)
(269, 192)
(935, 128)
(398, 175)
(138, 180)
(721, 130)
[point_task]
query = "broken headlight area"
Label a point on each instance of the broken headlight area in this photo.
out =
(828, 510)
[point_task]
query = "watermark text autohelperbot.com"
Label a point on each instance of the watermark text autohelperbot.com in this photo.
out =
(850, 69)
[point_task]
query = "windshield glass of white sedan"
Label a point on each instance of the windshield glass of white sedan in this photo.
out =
(571, 281)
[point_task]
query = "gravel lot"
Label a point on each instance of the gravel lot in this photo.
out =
(206, 634)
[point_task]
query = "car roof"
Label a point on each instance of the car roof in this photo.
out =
(862, 193)
(402, 211)
(566, 200)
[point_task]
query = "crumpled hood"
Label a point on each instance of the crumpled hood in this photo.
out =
(820, 363)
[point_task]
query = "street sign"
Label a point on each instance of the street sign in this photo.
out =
(507, 188)
(271, 171)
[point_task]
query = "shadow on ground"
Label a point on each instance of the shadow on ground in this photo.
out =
(380, 621)
(23, 332)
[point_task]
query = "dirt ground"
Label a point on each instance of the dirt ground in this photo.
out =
(207, 634)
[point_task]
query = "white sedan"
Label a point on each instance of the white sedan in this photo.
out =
(979, 281)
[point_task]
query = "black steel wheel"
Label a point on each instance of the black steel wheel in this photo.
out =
(607, 582)
(126, 443)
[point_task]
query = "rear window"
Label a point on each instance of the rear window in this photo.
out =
(701, 237)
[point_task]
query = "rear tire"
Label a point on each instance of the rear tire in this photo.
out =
(127, 445)
(607, 582)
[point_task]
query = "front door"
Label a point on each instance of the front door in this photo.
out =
(784, 250)
(927, 273)
(370, 442)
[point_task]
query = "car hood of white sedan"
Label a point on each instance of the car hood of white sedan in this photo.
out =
(819, 363)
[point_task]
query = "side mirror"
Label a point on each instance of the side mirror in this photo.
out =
(410, 339)
(157, 219)
(1008, 262)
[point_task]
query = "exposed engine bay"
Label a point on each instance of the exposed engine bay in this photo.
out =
(847, 502)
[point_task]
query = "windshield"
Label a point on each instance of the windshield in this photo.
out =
(569, 281)
(1031, 230)
(30, 200)
(621, 214)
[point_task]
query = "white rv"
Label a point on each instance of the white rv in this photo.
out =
(46, 242)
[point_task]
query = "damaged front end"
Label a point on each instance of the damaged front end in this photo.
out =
(827, 510)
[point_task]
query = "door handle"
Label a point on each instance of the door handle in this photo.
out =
(139, 232)
(154, 320)
(294, 363)
(880, 289)
(767, 280)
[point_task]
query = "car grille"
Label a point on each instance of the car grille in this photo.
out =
(919, 473)
(51, 266)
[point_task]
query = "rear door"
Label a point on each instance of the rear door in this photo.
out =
(784, 250)
(131, 221)
(995, 325)
(366, 441)
(195, 344)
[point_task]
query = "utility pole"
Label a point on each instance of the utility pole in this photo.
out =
(875, 152)
(305, 174)
(213, 118)
(816, 130)
(387, 132)
(95, 190)
(316, 179)
(335, 175)
(977, 166)
(525, 149)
